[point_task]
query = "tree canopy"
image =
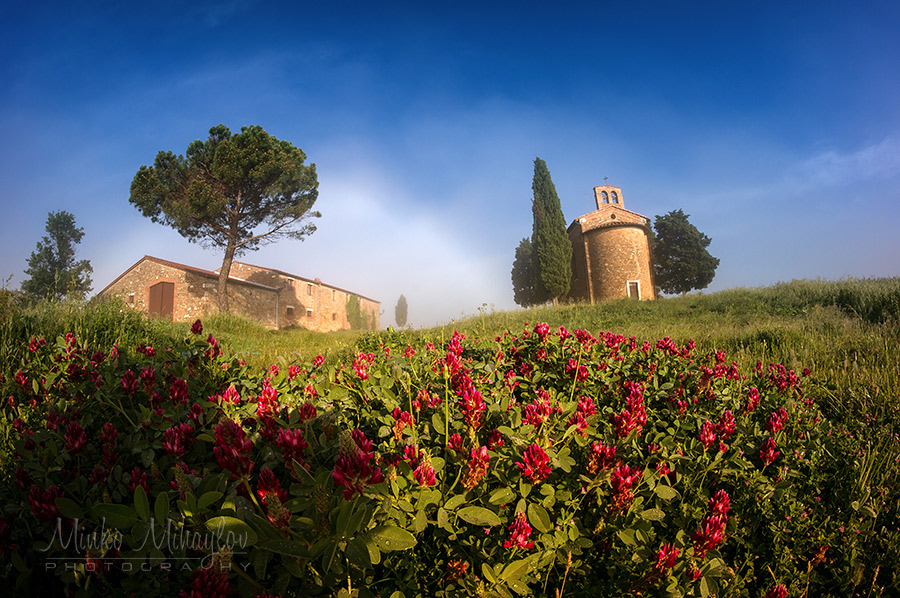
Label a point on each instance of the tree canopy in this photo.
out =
(551, 248)
(681, 262)
(400, 311)
(52, 269)
(358, 318)
(237, 192)
(525, 291)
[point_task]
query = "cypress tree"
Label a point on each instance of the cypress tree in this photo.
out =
(552, 250)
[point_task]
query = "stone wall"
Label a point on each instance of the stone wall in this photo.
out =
(307, 303)
(615, 256)
(194, 292)
(610, 251)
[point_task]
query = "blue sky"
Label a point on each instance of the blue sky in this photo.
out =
(776, 126)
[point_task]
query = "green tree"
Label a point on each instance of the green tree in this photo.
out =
(400, 311)
(551, 248)
(681, 262)
(237, 192)
(52, 269)
(355, 315)
(525, 290)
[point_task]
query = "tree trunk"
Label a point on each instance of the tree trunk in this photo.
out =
(223, 278)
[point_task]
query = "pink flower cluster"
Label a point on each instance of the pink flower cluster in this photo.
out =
(293, 447)
(42, 502)
(476, 468)
(768, 452)
(354, 469)
(666, 557)
(634, 416)
(361, 365)
(707, 434)
(538, 412)
(178, 440)
(535, 464)
(519, 533)
(711, 531)
(622, 481)
(775, 423)
(577, 371)
(75, 438)
(233, 448)
(273, 496)
(584, 410)
(601, 457)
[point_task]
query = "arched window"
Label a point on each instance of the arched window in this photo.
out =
(605, 197)
(615, 197)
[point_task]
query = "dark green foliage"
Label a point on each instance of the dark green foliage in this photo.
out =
(525, 292)
(52, 269)
(552, 250)
(681, 262)
(226, 187)
(355, 315)
(400, 311)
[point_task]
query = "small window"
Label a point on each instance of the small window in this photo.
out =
(290, 310)
(333, 317)
(615, 197)
(309, 289)
(309, 312)
(131, 298)
(634, 289)
(333, 294)
(605, 196)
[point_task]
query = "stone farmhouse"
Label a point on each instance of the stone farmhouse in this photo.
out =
(274, 298)
(611, 251)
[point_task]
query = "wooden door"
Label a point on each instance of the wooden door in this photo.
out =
(162, 300)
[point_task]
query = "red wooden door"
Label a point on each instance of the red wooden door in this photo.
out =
(162, 299)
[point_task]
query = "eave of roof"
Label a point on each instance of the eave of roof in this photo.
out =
(309, 280)
(186, 268)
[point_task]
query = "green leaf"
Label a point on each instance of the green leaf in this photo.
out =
(141, 504)
(488, 573)
(443, 519)
(666, 492)
(501, 496)
(69, 508)
(286, 548)
(539, 518)
(118, 516)
(18, 562)
(515, 570)
(358, 554)
(479, 516)
(205, 437)
(161, 508)
(374, 553)
(209, 498)
(232, 531)
(627, 537)
(653, 515)
(303, 473)
(343, 519)
(390, 537)
(420, 522)
(454, 502)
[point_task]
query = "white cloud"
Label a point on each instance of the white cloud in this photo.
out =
(881, 160)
